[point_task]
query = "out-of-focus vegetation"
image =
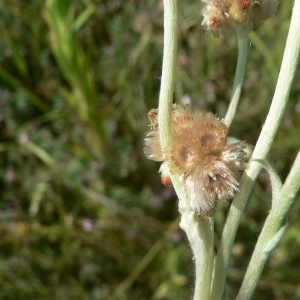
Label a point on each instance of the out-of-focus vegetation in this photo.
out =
(82, 212)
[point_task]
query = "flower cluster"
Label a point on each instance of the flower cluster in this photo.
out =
(221, 14)
(207, 166)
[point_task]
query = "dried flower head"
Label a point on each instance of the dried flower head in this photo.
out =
(219, 14)
(207, 166)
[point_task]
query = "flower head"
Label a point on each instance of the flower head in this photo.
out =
(208, 168)
(221, 14)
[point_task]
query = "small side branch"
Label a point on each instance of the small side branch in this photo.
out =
(242, 32)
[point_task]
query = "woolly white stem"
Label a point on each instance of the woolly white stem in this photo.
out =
(200, 233)
(204, 256)
(285, 79)
(199, 229)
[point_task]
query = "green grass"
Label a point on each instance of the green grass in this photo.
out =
(82, 212)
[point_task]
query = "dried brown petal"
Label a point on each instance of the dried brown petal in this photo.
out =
(153, 150)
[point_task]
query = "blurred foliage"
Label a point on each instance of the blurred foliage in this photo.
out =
(82, 213)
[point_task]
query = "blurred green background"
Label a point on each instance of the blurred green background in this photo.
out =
(83, 214)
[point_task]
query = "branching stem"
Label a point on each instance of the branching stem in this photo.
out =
(285, 79)
(272, 231)
(242, 32)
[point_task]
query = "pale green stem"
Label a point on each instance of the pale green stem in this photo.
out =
(242, 32)
(199, 229)
(272, 231)
(168, 72)
(201, 236)
(200, 233)
(168, 80)
(285, 79)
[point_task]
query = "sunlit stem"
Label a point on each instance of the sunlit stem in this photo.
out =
(168, 72)
(242, 32)
(272, 231)
(201, 236)
(285, 79)
(199, 230)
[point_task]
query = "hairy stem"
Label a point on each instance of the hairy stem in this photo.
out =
(199, 229)
(168, 71)
(200, 233)
(285, 79)
(272, 231)
(242, 32)
(204, 256)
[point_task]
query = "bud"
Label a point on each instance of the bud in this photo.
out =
(240, 11)
(214, 19)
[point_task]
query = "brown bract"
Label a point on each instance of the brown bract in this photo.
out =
(208, 168)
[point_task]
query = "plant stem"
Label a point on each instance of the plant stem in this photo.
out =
(242, 32)
(285, 79)
(168, 72)
(271, 232)
(200, 234)
(199, 229)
